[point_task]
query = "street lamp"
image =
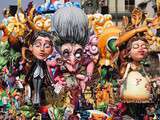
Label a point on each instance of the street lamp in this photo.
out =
(116, 11)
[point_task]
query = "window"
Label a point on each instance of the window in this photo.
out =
(129, 5)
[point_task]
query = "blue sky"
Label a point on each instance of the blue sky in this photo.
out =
(6, 3)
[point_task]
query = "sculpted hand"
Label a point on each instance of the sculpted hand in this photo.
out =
(120, 81)
(141, 29)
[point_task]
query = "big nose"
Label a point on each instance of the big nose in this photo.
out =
(42, 48)
(72, 60)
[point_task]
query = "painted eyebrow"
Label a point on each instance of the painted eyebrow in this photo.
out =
(39, 40)
(139, 44)
(68, 48)
(78, 50)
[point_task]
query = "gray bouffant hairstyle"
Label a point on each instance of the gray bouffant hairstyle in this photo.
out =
(71, 26)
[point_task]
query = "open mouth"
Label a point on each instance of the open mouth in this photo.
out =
(71, 67)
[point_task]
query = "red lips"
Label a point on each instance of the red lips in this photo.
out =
(142, 52)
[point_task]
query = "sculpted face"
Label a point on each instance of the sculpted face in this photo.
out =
(139, 50)
(41, 48)
(72, 55)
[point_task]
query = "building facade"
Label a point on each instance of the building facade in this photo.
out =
(117, 8)
(120, 8)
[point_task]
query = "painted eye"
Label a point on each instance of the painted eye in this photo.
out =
(78, 54)
(135, 46)
(47, 45)
(66, 53)
(144, 46)
(37, 44)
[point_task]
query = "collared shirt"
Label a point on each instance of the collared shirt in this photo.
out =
(38, 72)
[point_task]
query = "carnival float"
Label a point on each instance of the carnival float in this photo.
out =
(59, 63)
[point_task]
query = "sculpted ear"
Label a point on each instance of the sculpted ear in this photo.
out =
(30, 47)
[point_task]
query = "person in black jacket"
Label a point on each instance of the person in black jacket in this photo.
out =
(38, 77)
